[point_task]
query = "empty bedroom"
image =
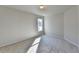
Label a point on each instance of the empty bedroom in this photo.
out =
(39, 29)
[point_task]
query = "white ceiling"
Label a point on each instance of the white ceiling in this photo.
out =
(51, 9)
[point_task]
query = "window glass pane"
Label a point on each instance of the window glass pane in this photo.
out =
(40, 24)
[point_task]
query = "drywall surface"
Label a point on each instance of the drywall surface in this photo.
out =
(16, 25)
(71, 25)
(78, 24)
(54, 24)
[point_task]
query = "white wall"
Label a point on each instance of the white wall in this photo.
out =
(54, 24)
(78, 24)
(16, 25)
(71, 25)
(64, 24)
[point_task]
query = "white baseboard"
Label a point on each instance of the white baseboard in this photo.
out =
(71, 42)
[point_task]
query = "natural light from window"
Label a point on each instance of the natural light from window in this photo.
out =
(40, 24)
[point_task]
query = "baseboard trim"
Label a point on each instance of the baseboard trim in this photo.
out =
(71, 42)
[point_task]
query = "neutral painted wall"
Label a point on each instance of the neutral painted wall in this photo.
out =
(54, 24)
(65, 24)
(16, 25)
(71, 25)
(78, 24)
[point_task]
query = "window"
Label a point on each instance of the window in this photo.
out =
(40, 27)
(40, 24)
